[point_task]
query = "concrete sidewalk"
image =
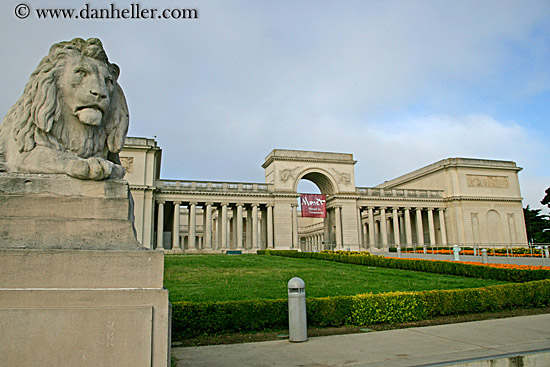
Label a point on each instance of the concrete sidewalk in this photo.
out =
(453, 344)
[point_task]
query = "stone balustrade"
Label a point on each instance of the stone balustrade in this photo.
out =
(212, 186)
(413, 193)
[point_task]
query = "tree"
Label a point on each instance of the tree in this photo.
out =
(546, 199)
(537, 224)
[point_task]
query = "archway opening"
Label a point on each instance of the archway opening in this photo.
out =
(321, 181)
(311, 231)
(306, 186)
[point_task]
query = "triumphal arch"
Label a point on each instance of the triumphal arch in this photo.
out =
(460, 201)
(334, 174)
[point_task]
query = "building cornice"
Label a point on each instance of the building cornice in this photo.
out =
(483, 198)
(143, 188)
(307, 160)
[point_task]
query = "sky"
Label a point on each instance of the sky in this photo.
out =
(399, 84)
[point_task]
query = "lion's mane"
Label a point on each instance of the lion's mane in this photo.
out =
(35, 118)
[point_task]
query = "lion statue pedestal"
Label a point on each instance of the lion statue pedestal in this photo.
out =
(59, 212)
(76, 287)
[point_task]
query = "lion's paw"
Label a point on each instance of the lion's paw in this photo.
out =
(118, 171)
(99, 168)
(78, 168)
(92, 169)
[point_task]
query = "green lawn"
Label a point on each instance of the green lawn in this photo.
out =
(200, 278)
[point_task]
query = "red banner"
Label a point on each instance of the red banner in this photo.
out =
(314, 205)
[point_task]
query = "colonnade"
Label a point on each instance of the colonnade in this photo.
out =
(401, 226)
(250, 226)
(312, 242)
(225, 226)
(325, 235)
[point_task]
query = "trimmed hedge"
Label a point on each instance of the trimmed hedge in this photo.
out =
(413, 306)
(191, 319)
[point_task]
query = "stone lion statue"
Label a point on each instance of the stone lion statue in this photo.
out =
(72, 117)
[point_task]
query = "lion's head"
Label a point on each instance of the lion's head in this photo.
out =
(73, 105)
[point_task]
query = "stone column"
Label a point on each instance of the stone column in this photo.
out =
(441, 213)
(401, 229)
(396, 232)
(228, 228)
(215, 227)
(207, 226)
(384, 228)
(326, 231)
(263, 227)
(431, 226)
(176, 226)
(233, 228)
(419, 227)
(160, 225)
(408, 227)
(372, 243)
(222, 228)
(377, 236)
(269, 226)
(254, 226)
(218, 226)
(295, 242)
(248, 244)
(359, 228)
(338, 226)
(239, 226)
(365, 229)
(192, 226)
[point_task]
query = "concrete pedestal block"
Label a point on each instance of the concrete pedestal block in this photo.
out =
(76, 287)
(57, 211)
(83, 308)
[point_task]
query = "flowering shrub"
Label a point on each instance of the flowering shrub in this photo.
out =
(508, 266)
(514, 252)
(501, 266)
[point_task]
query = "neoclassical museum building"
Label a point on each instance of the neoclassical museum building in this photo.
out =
(455, 201)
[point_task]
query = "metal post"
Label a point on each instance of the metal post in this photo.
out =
(456, 252)
(484, 257)
(297, 323)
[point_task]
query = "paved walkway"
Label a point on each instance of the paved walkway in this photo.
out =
(422, 346)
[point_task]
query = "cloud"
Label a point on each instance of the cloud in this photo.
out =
(383, 150)
(398, 84)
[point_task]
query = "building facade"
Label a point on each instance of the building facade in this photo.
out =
(460, 201)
